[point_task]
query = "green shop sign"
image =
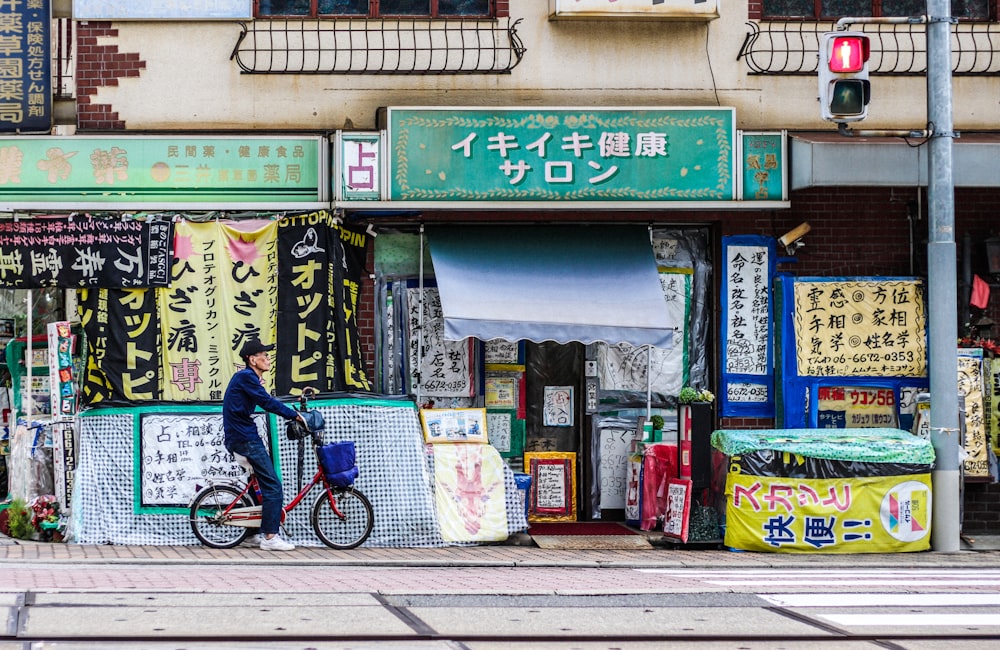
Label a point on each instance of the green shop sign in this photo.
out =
(468, 154)
(204, 171)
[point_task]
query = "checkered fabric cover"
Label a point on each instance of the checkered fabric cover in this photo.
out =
(396, 476)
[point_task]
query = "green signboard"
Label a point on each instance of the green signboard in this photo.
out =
(763, 162)
(534, 154)
(81, 171)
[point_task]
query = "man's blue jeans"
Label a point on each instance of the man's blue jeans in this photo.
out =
(271, 495)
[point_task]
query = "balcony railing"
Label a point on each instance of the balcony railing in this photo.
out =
(790, 48)
(379, 46)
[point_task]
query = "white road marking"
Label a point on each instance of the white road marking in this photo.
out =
(882, 600)
(910, 620)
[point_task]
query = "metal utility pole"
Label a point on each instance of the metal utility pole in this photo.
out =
(942, 297)
(942, 273)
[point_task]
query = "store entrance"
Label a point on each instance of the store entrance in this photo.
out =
(555, 419)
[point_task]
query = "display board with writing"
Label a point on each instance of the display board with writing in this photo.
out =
(970, 387)
(180, 451)
(853, 407)
(445, 367)
(203, 171)
(860, 328)
(614, 452)
(25, 59)
(748, 375)
(85, 252)
(514, 154)
(553, 485)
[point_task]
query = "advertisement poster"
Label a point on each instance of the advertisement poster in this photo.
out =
(876, 514)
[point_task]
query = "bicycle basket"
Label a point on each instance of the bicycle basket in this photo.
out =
(338, 461)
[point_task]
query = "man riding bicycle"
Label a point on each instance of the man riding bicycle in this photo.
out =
(245, 392)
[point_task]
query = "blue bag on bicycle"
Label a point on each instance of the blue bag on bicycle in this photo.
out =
(338, 460)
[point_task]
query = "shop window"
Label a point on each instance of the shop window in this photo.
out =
(376, 8)
(977, 10)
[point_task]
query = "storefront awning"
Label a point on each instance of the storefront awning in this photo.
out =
(830, 159)
(558, 283)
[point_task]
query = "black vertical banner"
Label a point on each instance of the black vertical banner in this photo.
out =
(355, 246)
(307, 249)
(123, 345)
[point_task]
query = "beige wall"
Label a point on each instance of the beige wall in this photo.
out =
(189, 81)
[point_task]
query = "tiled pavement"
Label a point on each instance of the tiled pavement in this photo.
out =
(519, 552)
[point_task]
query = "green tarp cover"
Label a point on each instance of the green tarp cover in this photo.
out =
(862, 445)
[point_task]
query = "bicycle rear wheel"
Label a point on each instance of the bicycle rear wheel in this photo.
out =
(206, 510)
(347, 532)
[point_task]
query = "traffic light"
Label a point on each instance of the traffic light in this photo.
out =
(844, 90)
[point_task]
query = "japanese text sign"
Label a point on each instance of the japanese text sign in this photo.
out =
(864, 514)
(867, 328)
(25, 66)
(130, 170)
(762, 158)
(85, 252)
(561, 154)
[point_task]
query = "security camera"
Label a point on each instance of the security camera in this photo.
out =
(791, 239)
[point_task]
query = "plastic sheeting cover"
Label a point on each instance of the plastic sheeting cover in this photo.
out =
(877, 445)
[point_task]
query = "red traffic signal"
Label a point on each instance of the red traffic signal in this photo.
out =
(844, 89)
(849, 53)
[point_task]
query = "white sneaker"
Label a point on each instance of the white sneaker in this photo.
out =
(253, 540)
(275, 544)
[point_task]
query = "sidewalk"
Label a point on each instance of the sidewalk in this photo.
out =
(983, 552)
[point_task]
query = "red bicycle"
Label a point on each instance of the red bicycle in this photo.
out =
(342, 517)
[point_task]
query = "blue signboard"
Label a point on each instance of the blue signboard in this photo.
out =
(25, 66)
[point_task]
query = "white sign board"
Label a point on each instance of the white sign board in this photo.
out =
(178, 452)
(641, 9)
(161, 9)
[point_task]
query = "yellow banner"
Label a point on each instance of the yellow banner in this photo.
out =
(223, 293)
(469, 492)
(868, 328)
(881, 514)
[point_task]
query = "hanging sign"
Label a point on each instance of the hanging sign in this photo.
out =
(26, 69)
(359, 162)
(538, 154)
(85, 252)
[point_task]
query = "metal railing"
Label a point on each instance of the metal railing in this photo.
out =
(378, 46)
(790, 48)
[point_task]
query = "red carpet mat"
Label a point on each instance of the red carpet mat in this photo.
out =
(579, 528)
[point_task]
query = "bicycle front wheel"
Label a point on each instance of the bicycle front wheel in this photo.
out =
(343, 532)
(207, 516)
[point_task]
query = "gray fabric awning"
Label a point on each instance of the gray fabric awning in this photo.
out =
(541, 283)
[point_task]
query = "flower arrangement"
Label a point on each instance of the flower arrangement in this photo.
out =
(988, 345)
(691, 395)
(45, 509)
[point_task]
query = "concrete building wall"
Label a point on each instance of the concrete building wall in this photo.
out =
(188, 81)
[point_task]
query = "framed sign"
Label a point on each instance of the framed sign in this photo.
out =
(557, 408)
(675, 522)
(454, 425)
(553, 485)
